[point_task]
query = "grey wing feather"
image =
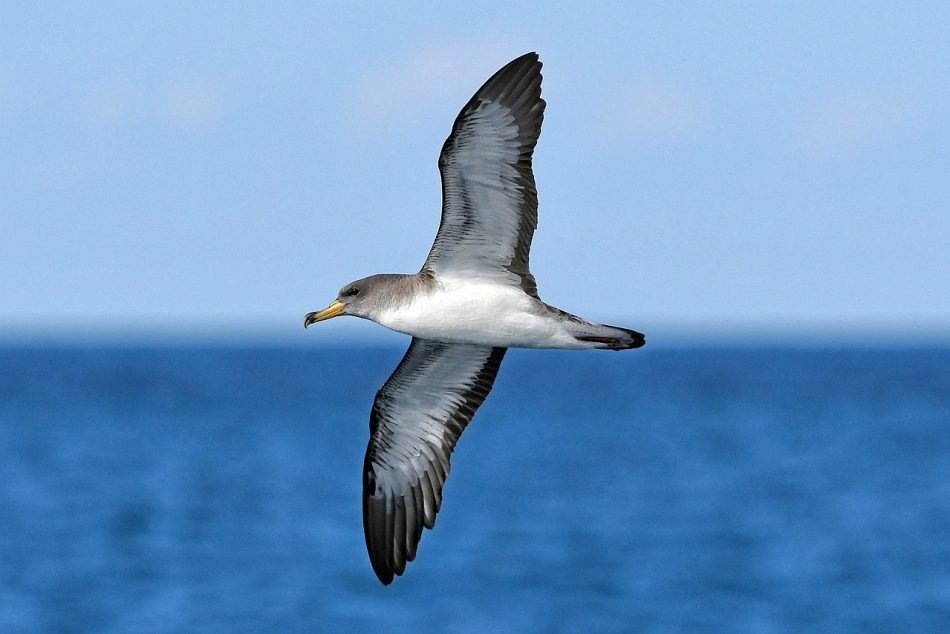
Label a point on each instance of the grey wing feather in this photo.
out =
(489, 198)
(416, 421)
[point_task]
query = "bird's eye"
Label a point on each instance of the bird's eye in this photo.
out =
(352, 292)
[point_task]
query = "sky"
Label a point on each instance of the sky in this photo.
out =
(221, 169)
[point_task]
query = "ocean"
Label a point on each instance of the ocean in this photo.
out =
(215, 489)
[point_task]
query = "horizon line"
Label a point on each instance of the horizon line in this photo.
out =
(809, 335)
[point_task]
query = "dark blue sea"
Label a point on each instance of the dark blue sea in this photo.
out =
(214, 489)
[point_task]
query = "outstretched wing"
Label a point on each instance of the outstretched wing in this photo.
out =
(489, 199)
(417, 418)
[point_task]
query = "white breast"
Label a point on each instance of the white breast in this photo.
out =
(480, 313)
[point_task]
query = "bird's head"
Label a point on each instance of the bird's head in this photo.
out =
(362, 298)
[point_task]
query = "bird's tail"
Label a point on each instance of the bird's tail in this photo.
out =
(609, 337)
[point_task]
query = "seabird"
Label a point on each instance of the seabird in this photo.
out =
(472, 300)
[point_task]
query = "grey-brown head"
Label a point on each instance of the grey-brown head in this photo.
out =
(363, 298)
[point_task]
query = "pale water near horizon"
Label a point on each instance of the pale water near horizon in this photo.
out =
(196, 489)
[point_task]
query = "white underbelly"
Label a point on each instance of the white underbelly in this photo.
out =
(481, 314)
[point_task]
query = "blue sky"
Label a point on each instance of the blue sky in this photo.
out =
(704, 167)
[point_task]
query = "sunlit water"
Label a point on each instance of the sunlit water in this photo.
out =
(204, 490)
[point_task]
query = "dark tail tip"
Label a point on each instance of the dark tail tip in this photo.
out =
(633, 339)
(637, 339)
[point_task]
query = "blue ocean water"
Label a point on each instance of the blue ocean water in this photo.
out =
(211, 489)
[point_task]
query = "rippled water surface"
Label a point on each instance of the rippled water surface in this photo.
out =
(751, 490)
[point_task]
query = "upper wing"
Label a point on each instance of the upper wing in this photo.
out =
(417, 418)
(489, 200)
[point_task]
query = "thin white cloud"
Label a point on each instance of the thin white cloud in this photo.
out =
(854, 118)
(652, 107)
(108, 105)
(427, 77)
(194, 102)
(191, 101)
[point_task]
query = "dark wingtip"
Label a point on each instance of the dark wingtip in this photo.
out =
(384, 572)
(385, 577)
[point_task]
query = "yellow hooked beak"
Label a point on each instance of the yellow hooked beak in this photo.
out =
(335, 309)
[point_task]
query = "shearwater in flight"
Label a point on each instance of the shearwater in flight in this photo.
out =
(473, 298)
